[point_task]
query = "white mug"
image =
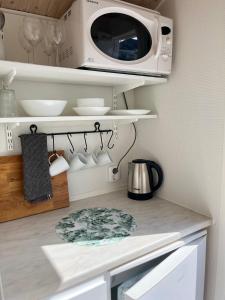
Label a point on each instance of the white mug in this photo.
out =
(58, 166)
(91, 160)
(78, 162)
(103, 158)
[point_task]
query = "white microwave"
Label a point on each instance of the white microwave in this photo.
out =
(115, 36)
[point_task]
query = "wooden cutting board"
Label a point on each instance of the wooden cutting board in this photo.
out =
(12, 203)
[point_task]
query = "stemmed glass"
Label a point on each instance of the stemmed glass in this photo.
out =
(25, 43)
(33, 32)
(48, 48)
(56, 34)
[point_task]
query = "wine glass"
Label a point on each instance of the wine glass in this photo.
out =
(56, 34)
(33, 32)
(48, 48)
(25, 43)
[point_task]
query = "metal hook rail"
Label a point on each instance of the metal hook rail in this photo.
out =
(33, 129)
(97, 126)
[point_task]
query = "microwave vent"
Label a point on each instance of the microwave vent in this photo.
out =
(67, 53)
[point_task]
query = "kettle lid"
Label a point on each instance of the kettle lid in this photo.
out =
(140, 161)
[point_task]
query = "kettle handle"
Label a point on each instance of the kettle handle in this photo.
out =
(159, 171)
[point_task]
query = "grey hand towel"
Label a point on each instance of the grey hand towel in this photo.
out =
(37, 181)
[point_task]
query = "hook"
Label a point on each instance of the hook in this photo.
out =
(102, 146)
(97, 127)
(33, 129)
(110, 147)
(85, 141)
(53, 144)
(71, 144)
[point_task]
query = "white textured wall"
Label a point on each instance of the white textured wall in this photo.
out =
(187, 139)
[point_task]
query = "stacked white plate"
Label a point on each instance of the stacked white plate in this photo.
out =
(128, 112)
(91, 107)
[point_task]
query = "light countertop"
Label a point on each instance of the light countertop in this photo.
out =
(35, 263)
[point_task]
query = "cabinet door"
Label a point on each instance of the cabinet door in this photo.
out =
(93, 290)
(175, 278)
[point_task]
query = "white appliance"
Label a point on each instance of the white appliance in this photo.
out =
(113, 35)
(179, 276)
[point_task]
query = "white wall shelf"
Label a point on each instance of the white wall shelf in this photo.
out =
(31, 72)
(39, 73)
(20, 120)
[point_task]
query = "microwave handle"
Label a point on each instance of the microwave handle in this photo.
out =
(159, 38)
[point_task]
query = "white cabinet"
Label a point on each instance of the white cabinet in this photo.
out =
(174, 272)
(93, 290)
(174, 278)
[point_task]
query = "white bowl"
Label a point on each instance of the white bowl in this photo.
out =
(91, 111)
(43, 108)
(90, 102)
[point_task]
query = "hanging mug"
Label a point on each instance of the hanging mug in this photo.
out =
(91, 160)
(78, 162)
(103, 158)
(58, 165)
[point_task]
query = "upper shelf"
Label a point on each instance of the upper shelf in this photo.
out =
(31, 72)
(76, 119)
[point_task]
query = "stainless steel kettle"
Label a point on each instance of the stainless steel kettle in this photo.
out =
(141, 179)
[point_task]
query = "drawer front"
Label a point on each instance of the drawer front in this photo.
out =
(94, 289)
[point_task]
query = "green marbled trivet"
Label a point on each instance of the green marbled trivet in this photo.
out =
(96, 226)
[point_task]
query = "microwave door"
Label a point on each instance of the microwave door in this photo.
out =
(129, 41)
(125, 47)
(159, 39)
(154, 28)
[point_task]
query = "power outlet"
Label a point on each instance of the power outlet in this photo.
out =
(111, 176)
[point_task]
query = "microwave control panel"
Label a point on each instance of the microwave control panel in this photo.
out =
(167, 43)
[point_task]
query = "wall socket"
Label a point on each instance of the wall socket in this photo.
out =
(113, 177)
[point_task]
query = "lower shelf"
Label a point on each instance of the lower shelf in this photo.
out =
(131, 118)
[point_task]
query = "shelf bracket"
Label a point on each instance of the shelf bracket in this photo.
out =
(134, 121)
(117, 90)
(115, 130)
(9, 135)
(127, 87)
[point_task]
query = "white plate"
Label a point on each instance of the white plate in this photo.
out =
(90, 102)
(125, 112)
(91, 111)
